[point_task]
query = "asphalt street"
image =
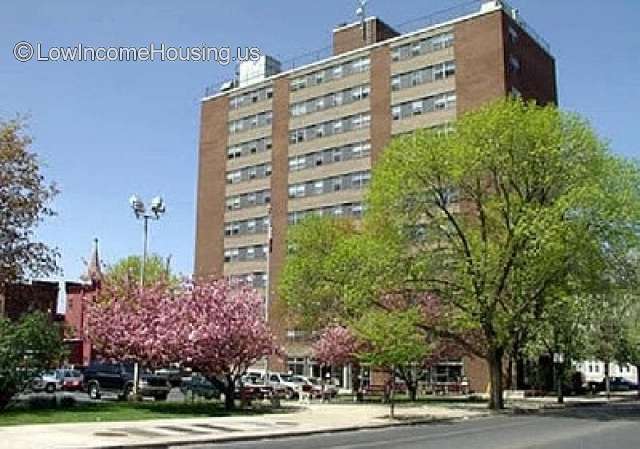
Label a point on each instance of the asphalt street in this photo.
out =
(612, 427)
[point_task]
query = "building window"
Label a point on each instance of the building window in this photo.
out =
(429, 104)
(417, 107)
(250, 98)
(330, 156)
(424, 75)
(331, 73)
(249, 148)
(354, 210)
(441, 42)
(514, 64)
(249, 173)
(416, 78)
(243, 254)
(250, 122)
(248, 200)
(396, 112)
(295, 365)
(513, 35)
(332, 100)
(423, 46)
(356, 180)
(329, 128)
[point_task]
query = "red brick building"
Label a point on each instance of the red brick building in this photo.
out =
(25, 297)
(78, 293)
(289, 143)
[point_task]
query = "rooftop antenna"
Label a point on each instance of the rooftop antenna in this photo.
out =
(361, 12)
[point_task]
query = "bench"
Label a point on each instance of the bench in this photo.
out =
(381, 391)
(445, 388)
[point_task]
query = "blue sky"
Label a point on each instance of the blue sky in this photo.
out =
(106, 130)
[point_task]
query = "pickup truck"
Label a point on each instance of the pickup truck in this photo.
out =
(117, 378)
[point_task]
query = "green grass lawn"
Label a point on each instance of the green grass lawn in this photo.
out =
(115, 411)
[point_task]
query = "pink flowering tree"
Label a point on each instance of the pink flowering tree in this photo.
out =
(214, 327)
(337, 346)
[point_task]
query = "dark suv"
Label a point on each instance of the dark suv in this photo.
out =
(117, 378)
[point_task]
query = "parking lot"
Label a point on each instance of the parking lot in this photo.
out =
(81, 396)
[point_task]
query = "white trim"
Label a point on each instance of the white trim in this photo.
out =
(350, 25)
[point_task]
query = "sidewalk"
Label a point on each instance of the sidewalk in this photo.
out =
(164, 433)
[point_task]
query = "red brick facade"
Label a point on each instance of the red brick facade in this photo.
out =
(75, 319)
(22, 298)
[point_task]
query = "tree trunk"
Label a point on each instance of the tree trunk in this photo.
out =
(392, 404)
(560, 383)
(6, 396)
(520, 373)
(229, 400)
(496, 401)
(509, 382)
(355, 382)
(638, 378)
(607, 384)
(412, 389)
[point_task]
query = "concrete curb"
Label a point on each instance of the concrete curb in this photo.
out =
(555, 407)
(286, 434)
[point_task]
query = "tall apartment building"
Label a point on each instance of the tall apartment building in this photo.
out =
(291, 143)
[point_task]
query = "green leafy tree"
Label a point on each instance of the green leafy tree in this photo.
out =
(491, 219)
(611, 332)
(630, 350)
(563, 330)
(391, 340)
(27, 348)
(310, 285)
(517, 201)
(25, 199)
(125, 273)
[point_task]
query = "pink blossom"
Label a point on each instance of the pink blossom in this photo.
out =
(214, 327)
(336, 346)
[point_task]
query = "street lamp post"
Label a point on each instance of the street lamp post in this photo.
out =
(156, 210)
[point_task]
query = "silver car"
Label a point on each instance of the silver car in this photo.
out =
(49, 381)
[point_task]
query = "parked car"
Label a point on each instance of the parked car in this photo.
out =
(283, 383)
(252, 387)
(307, 385)
(71, 379)
(49, 381)
(173, 375)
(616, 384)
(199, 385)
(330, 388)
(117, 378)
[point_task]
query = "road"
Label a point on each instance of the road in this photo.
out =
(614, 427)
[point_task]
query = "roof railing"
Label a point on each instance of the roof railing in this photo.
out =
(413, 25)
